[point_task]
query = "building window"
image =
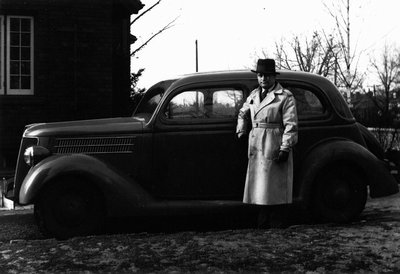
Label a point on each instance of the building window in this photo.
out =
(1, 55)
(17, 55)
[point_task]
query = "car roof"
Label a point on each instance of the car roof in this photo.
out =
(227, 75)
(246, 75)
(325, 85)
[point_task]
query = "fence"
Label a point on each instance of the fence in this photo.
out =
(389, 138)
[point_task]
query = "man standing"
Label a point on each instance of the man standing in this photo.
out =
(271, 110)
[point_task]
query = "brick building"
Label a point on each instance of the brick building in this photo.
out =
(61, 60)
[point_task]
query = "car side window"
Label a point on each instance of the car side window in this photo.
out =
(226, 103)
(187, 105)
(146, 109)
(307, 103)
(209, 103)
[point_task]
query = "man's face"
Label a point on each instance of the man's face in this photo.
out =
(266, 80)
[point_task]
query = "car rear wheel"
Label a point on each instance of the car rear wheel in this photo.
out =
(339, 194)
(69, 207)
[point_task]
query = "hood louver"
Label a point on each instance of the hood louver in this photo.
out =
(94, 145)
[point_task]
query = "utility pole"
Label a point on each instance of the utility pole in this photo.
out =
(197, 70)
(197, 57)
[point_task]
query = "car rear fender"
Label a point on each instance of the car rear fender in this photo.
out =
(371, 142)
(120, 193)
(373, 171)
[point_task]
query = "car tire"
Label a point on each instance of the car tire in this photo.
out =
(69, 207)
(340, 194)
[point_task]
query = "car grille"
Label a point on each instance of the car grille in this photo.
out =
(94, 145)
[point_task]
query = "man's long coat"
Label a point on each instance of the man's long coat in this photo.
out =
(274, 127)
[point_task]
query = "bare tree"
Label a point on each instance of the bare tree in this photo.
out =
(315, 54)
(281, 55)
(346, 57)
(388, 71)
(169, 25)
(134, 39)
(144, 12)
(387, 68)
(137, 93)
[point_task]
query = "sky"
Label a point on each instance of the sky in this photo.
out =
(232, 34)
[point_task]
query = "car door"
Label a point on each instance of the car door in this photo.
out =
(196, 153)
(314, 114)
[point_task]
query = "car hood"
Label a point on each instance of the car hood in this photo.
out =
(86, 127)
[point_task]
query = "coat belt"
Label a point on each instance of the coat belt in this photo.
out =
(266, 125)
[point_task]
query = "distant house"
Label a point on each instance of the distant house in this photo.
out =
(365, 108)
(61, 60)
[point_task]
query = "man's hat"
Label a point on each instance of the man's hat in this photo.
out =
(266, 66)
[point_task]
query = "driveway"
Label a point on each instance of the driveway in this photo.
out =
(371, 244)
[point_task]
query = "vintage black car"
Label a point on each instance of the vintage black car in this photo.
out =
(178, 154)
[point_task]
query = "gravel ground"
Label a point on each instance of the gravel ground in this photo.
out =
(371, 244)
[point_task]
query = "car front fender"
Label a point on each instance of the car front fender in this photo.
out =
(374, 171)
(120, 192)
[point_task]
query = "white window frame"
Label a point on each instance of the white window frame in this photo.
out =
(20, 91)
(2, 55)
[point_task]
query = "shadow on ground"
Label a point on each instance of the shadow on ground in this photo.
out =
(21, 224)
(242, 219)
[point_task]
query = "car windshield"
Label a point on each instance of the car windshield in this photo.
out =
(150, 100)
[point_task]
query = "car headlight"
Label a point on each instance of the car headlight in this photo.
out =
(35, 154)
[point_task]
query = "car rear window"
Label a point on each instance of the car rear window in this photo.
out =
(313, 103)
(307, 103)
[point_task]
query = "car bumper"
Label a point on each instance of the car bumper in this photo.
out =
(7, 188)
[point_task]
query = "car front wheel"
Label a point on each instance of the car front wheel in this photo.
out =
(69, 207)
(339, 194)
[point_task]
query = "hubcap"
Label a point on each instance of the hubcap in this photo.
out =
(338, 194)
(70, 209)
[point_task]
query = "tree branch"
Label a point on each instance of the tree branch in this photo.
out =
(169, 25)
(143, 13)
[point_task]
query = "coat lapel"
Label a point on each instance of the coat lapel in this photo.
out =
(254, 102)
(269, 98)
(256, 98)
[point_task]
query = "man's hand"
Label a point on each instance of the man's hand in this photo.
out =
(283, 156)
(240, 135)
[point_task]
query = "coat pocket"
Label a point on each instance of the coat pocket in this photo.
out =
(271, 143)
(264, 143)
